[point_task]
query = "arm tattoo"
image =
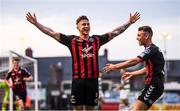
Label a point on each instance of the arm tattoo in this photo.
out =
(119, 30)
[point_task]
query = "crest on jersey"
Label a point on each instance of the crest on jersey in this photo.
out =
(91, 39)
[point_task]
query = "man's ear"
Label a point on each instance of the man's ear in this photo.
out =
(147, 35)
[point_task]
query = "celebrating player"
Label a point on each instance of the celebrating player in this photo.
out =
(84, 50)
(154, 80)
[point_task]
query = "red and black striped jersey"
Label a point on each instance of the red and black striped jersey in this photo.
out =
(154, 63)
(19, 84)
(84, 54)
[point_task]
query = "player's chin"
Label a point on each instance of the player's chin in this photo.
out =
(140, 44)
(86, 33)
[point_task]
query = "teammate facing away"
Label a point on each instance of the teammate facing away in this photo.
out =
(154, 69)
(19, 76)
(84, 50)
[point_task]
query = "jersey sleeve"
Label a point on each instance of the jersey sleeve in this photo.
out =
(65, 40)
(147, 53)
(104, 38)
(26, 72)
(8, 75)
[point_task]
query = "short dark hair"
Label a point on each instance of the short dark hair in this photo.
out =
(146, 29)
(82, 17)
(15, 59)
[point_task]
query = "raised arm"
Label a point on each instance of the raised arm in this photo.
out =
(33, 20)
(128, 63)
(121, 29)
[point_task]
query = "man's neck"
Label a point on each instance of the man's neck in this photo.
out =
(16, 69)
(84, 37)
(148, 44)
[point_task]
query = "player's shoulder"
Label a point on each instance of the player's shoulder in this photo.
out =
(95, 35)
(23, 69)
(73, 37)
(101, 35)
(155, 48)
(152, 47)
(10, 71)
(67, 36)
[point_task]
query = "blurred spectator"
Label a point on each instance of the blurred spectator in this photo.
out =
(123, 105)
(28, 103)
(101, 94)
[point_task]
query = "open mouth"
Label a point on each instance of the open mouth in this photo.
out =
(86, 29)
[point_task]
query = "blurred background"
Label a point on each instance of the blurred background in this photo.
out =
(50, 62)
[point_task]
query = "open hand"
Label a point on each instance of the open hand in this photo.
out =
(126, 75)
(134, 18)
(109, 67)
(31, 18)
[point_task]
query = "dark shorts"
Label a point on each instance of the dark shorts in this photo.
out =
(20, 95)
(151, 93)
(84, 92)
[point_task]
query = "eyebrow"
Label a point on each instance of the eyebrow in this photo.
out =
(85, 23)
